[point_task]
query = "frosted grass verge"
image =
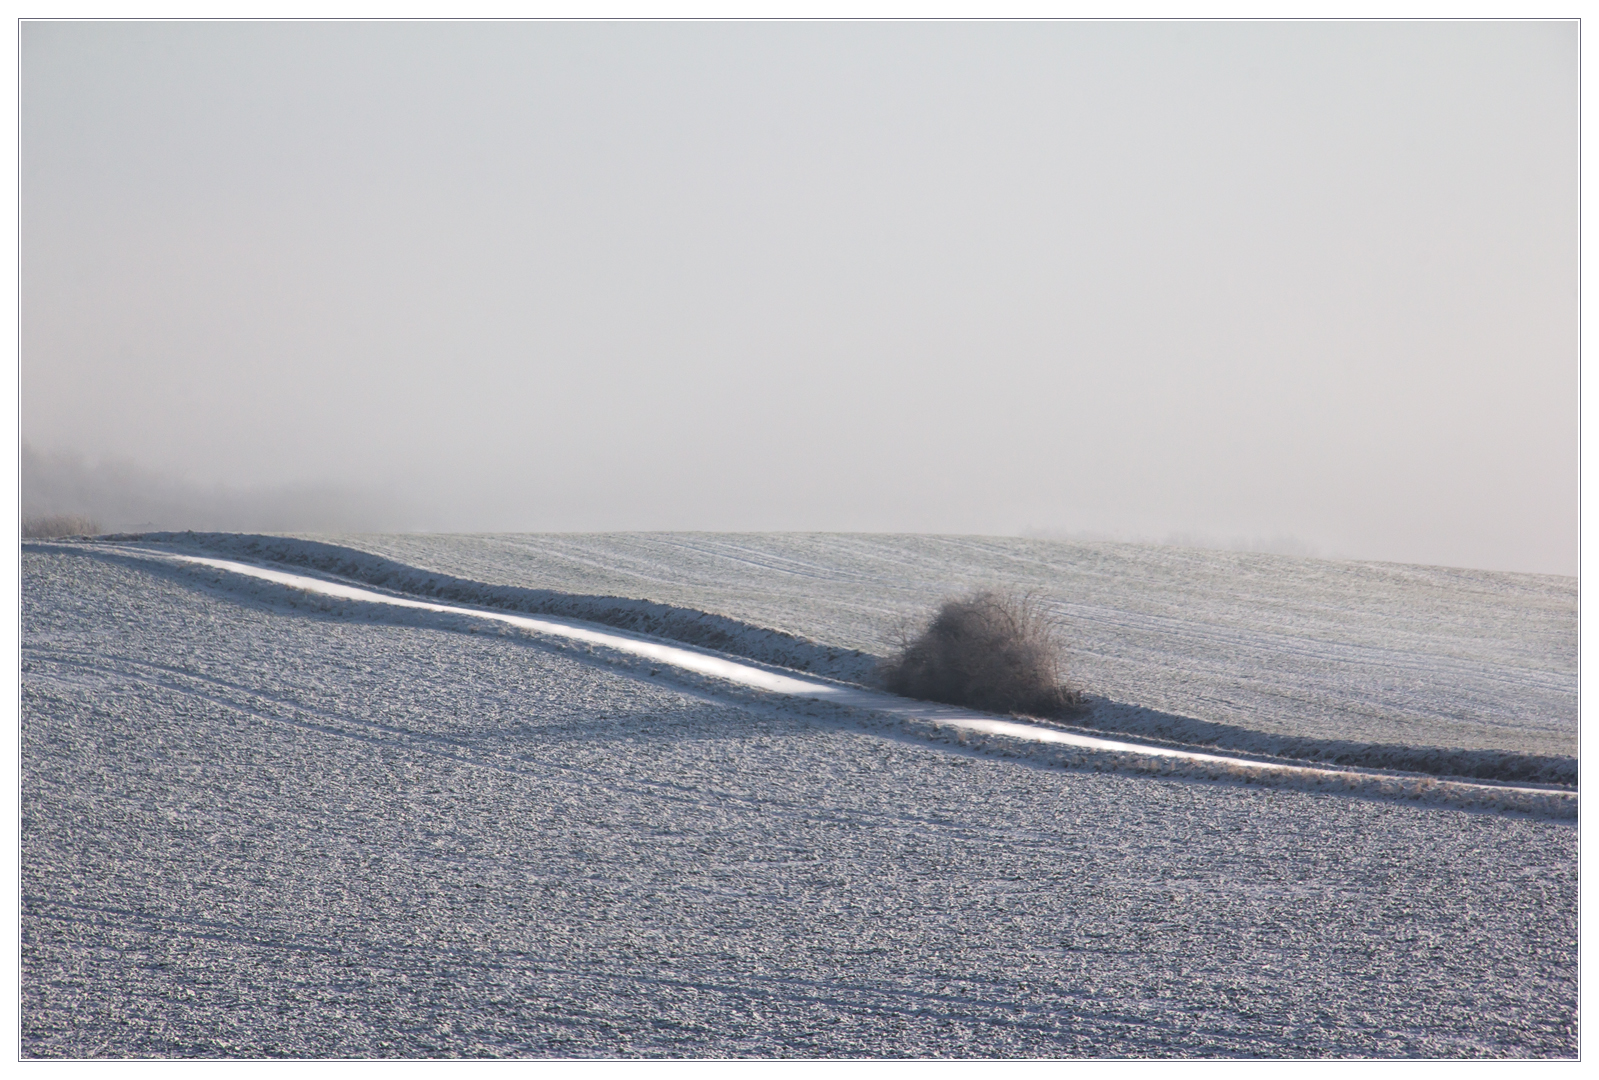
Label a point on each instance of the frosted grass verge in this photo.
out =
(945, 725)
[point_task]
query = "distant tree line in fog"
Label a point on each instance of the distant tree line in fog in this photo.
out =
(62, 494)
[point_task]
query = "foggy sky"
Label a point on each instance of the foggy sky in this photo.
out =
(1302, 280)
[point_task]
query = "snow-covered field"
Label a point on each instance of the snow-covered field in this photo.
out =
(257, 822)
(1450, 671)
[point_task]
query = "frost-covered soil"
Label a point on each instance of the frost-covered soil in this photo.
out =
(251, 827)
(735, 679)
(1451, 672)
(1348, 650)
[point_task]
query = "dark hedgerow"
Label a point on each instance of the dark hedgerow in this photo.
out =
(995, 651)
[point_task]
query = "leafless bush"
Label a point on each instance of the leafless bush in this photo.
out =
(995, 651)
(51, 525)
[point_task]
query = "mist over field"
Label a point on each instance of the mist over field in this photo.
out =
(1312, 285)
(120, 496)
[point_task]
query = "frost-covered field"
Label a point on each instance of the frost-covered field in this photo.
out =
(254, 827)
(1371, 652)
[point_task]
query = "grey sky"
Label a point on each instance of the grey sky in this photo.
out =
(1317, 280)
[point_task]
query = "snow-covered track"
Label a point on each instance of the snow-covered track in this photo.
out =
(958, 728)
(719, 633)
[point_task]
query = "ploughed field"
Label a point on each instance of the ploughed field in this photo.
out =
(252, 825)
(1372, 652)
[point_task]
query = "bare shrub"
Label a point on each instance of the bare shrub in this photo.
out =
(995, 651)
(53, 525)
